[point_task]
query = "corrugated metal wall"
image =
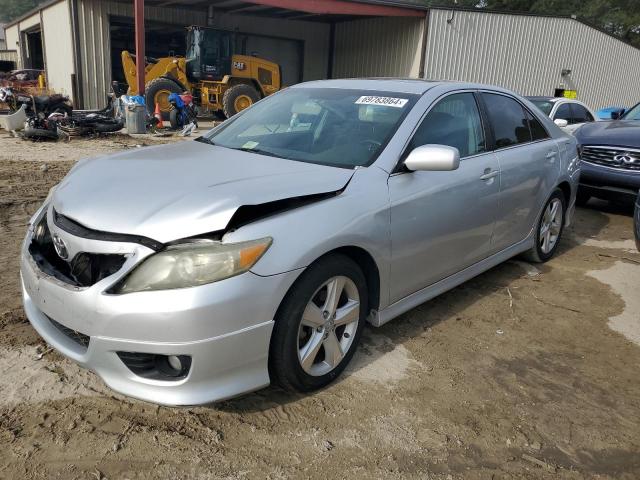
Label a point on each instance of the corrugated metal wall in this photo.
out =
(378, 47)
(9, 56)
(57, 37)
(12, 39)
(527, 54)
(96, 44)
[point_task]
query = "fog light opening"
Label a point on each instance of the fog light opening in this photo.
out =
(173, 365)
(157, 367)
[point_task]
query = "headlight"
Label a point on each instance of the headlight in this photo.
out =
(193, 264)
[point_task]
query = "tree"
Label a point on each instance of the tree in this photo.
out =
(10, 9)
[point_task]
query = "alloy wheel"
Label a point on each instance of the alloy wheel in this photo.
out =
(550, 226)
(328, 326)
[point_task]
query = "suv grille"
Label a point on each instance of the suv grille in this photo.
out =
(84, 270)
(613, 157)
(77, 337)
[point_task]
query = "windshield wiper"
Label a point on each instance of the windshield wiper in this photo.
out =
(261, 152)
(205, 140)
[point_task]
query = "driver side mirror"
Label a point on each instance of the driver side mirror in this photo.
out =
(561, 122)
(435, 158)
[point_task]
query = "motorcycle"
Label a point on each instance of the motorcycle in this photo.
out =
(38, 105)
(50, 115)
(183, 112)
(44, 112)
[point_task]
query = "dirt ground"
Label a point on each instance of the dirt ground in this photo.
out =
(524, 372)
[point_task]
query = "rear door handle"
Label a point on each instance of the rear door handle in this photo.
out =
(489, 174)
(551, 154)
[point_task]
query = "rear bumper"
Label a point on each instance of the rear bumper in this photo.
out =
(608, 183)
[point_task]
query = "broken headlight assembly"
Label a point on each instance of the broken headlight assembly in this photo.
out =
(192, 264)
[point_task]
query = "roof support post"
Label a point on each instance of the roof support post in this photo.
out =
(140, 53)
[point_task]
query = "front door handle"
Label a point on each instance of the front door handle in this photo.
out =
(489, 174)
(551, 155)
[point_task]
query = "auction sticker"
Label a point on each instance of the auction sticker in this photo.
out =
(383, 101)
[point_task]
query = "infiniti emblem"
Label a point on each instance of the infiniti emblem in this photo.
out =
(61, 248)
(626, 158)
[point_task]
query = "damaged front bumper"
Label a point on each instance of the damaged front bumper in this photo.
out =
(224, 337)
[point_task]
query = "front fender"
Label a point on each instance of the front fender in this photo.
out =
(359, 217)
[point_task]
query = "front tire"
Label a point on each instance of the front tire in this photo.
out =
(157, 91)
(318, 325)
(238, 98)
(549, 229)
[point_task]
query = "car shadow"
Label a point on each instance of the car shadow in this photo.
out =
(624, 208)
(378, 343)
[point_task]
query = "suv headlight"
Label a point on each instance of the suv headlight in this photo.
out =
(193, 264)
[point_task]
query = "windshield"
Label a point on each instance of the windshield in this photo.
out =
(327, 126)
(544, 105)
(633, 114)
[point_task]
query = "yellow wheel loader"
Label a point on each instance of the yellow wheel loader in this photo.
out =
(219, 79)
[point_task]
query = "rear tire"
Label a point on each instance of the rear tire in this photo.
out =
(238, 98)
(548, 229)
(158, 90)
(294, 361)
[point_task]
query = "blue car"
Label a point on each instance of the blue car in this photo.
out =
(609, 113)
(610, 158)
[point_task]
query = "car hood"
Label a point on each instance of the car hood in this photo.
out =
(171, 192)
(623, 133)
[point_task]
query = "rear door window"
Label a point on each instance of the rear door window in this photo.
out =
(581, 114)
(509, 120)
(564, 113)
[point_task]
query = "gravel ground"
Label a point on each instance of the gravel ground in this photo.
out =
(524, 372)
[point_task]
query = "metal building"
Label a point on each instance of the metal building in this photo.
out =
(80, 43)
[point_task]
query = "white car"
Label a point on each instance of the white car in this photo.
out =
(567, 113)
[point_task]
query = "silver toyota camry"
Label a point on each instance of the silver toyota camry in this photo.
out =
(195, 272)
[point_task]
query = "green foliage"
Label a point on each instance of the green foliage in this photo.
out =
(10, 9)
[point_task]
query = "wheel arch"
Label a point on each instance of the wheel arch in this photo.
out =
(565, 186)
(367, 264)
(369, 267)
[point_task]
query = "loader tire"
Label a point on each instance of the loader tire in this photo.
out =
(237, 98)
(158, 91)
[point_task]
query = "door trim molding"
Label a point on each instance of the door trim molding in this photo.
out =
(379, 318)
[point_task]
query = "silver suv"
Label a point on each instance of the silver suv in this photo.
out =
(195, 272)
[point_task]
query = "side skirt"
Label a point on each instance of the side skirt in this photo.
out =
(379, 318)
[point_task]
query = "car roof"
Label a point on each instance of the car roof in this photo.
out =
(415, 86)
(554, 99)
(542, 97)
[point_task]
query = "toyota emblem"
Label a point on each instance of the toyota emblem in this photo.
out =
(61, 248)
